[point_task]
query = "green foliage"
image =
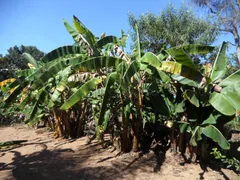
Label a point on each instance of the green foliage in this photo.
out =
(226, 15)
(97, 80)
(15, 59)
(168, 29)
(11, 143)
(230, 162)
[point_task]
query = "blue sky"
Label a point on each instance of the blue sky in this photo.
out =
(39, 22)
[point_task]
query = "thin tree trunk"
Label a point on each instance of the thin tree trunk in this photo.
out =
(125, 135)
(137, 129)
(81, 119)
(59, 128)
(65, 119)
(237, 41)
(238, 54)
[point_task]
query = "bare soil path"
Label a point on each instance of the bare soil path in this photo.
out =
(43, 157)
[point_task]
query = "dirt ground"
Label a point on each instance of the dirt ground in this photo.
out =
(43, 157)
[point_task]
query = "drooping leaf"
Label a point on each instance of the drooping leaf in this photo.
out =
(196, 136)
(192, 97)
(180, 56)
(68, 52)
(197, 49)
(51, 72)
(12, 94)
(54, 70)
(234, 87)
(79, 38)
(3, 83)
(210, 120)
(159, 104)
(25, 72)
(184, 81)
(232, 79)
(32, 117)
(179, 107)
(106, 119)
(137, 47)
(220, 64)
(107, 39)
(180, 69)
(10, 143)
(152, 59)
(81, 93)
(30, 59)
(213, 133)
(183, 126)
(221, 103)
(97, 63)
(112, 78)
(163, 76)
(233, 98)
(98, 92)
(59, 89)
(82, 29)
(172, 67)
(132, 69)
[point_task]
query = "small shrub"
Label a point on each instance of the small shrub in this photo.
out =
(231, 162)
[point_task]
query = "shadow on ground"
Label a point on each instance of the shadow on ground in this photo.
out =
(89, 162)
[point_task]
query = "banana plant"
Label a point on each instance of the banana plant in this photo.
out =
(211, 99)
(125, 83)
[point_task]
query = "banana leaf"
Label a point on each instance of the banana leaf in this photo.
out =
(222, 104)
(152, 59)
(112, 78)
(184, 81)
(232, 79)
(54, 70)
(192, 97)
(10, 80)
(196, 136)
(213, 133)
(81, 93)
(220, 64)
(25, 72)
(197, 49)
(82, 29)
(79, 39)
(132, 69)
(180, 56)
(97, 63)
(64, 51)
(31, 60)
(137, 48)
(10, 143)
(104, 41)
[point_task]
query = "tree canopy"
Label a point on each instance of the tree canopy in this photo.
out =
(172, 27)
(15, 59)
(227, 14)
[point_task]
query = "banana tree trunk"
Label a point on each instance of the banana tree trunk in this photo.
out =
(137, 124)
(65, 118)
(173, 139)
(57, 118)
(125, 132)
(81, 118)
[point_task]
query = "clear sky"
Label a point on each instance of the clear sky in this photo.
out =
(39, 22)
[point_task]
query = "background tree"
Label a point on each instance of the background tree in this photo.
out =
(227, 14)
(15, 59)
(172, 27)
